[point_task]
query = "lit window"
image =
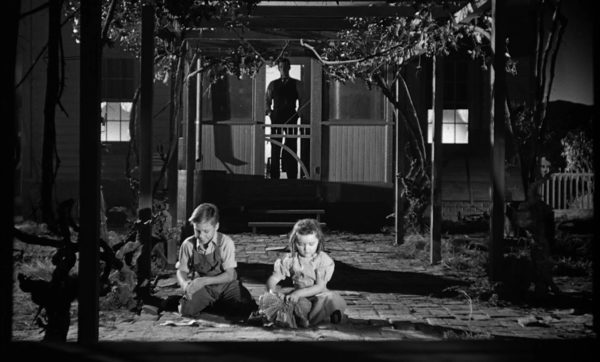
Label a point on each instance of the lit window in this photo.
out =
(455, 126)
(116, 126)
(118, 82)
(455, 117)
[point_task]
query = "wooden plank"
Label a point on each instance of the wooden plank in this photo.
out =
(281, 224)
(289, 211)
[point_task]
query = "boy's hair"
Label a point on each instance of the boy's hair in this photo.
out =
(205, 212)
(305, 227)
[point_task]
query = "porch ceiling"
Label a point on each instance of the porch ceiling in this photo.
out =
(273, 23)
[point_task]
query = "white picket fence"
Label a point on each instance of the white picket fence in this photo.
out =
(569, 190)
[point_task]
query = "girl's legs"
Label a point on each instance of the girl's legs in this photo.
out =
(326, 304)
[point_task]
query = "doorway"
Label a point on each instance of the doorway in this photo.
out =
(290, 142)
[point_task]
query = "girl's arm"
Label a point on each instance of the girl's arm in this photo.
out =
(319, 287)
(272, 282)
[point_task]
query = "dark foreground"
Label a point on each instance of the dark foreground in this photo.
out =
(464, 350)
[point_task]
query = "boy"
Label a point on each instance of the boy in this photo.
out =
(206, 269)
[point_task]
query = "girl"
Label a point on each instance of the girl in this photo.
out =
(310, 268)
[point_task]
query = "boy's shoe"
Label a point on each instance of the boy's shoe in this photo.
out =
(255, 319)
(336, 317)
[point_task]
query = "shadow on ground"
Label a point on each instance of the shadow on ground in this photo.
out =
(347, 277)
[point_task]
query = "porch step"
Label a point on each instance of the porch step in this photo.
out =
(315, 212)
(275, 224)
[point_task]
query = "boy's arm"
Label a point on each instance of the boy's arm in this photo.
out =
(225, 277)
(182, 279)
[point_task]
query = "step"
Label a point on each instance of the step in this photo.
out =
(275, 224)
(316, 212)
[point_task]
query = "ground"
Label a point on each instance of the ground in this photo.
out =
(392, 294)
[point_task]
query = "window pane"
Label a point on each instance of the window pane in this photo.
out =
(430, 133)
(448, 116)
(447, 133)
(113, 130)
(462, 133)
(125, 131)
(462, 116)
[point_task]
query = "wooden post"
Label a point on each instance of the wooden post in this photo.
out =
(316, 109)
(198, 146)
(497, 143)
(145, 142)
(89, 172)
(596, 163)
(400, 137)
(435, 255)
(10, 29)
(172, 171)
(258, 114)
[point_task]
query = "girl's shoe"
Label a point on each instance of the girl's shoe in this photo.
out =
(336, 317)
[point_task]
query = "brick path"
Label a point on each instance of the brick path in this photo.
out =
(389, 297)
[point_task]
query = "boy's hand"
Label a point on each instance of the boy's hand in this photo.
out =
(194, 286)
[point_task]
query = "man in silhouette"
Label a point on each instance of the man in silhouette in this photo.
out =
(281, 97)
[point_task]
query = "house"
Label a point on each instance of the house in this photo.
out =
(347, 133)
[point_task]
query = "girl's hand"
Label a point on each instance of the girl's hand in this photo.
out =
(292, 297)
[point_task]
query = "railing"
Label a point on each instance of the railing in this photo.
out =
(569, 190)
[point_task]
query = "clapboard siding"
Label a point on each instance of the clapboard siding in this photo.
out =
(228, 148)
(356, 153)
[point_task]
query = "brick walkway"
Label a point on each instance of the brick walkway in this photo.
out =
(396, 295)
(389, 297)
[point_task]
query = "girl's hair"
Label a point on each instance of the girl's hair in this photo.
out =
(305, 227)
(205, 212)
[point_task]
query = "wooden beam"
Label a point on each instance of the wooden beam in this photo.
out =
(145, 143)
(10, 30)
(497, 142)
(89, 172)
(189, 112)
(436, 161)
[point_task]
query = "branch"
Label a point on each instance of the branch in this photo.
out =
(414, 113)
(244, 41)
(287, 43)
(40, 54)
(411, 53)
(106, 26)
(34, 10)
(32, 65)
(37, 240)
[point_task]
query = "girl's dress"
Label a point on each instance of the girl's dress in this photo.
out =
(304, 273)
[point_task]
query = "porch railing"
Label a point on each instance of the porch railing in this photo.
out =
(569, 190)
